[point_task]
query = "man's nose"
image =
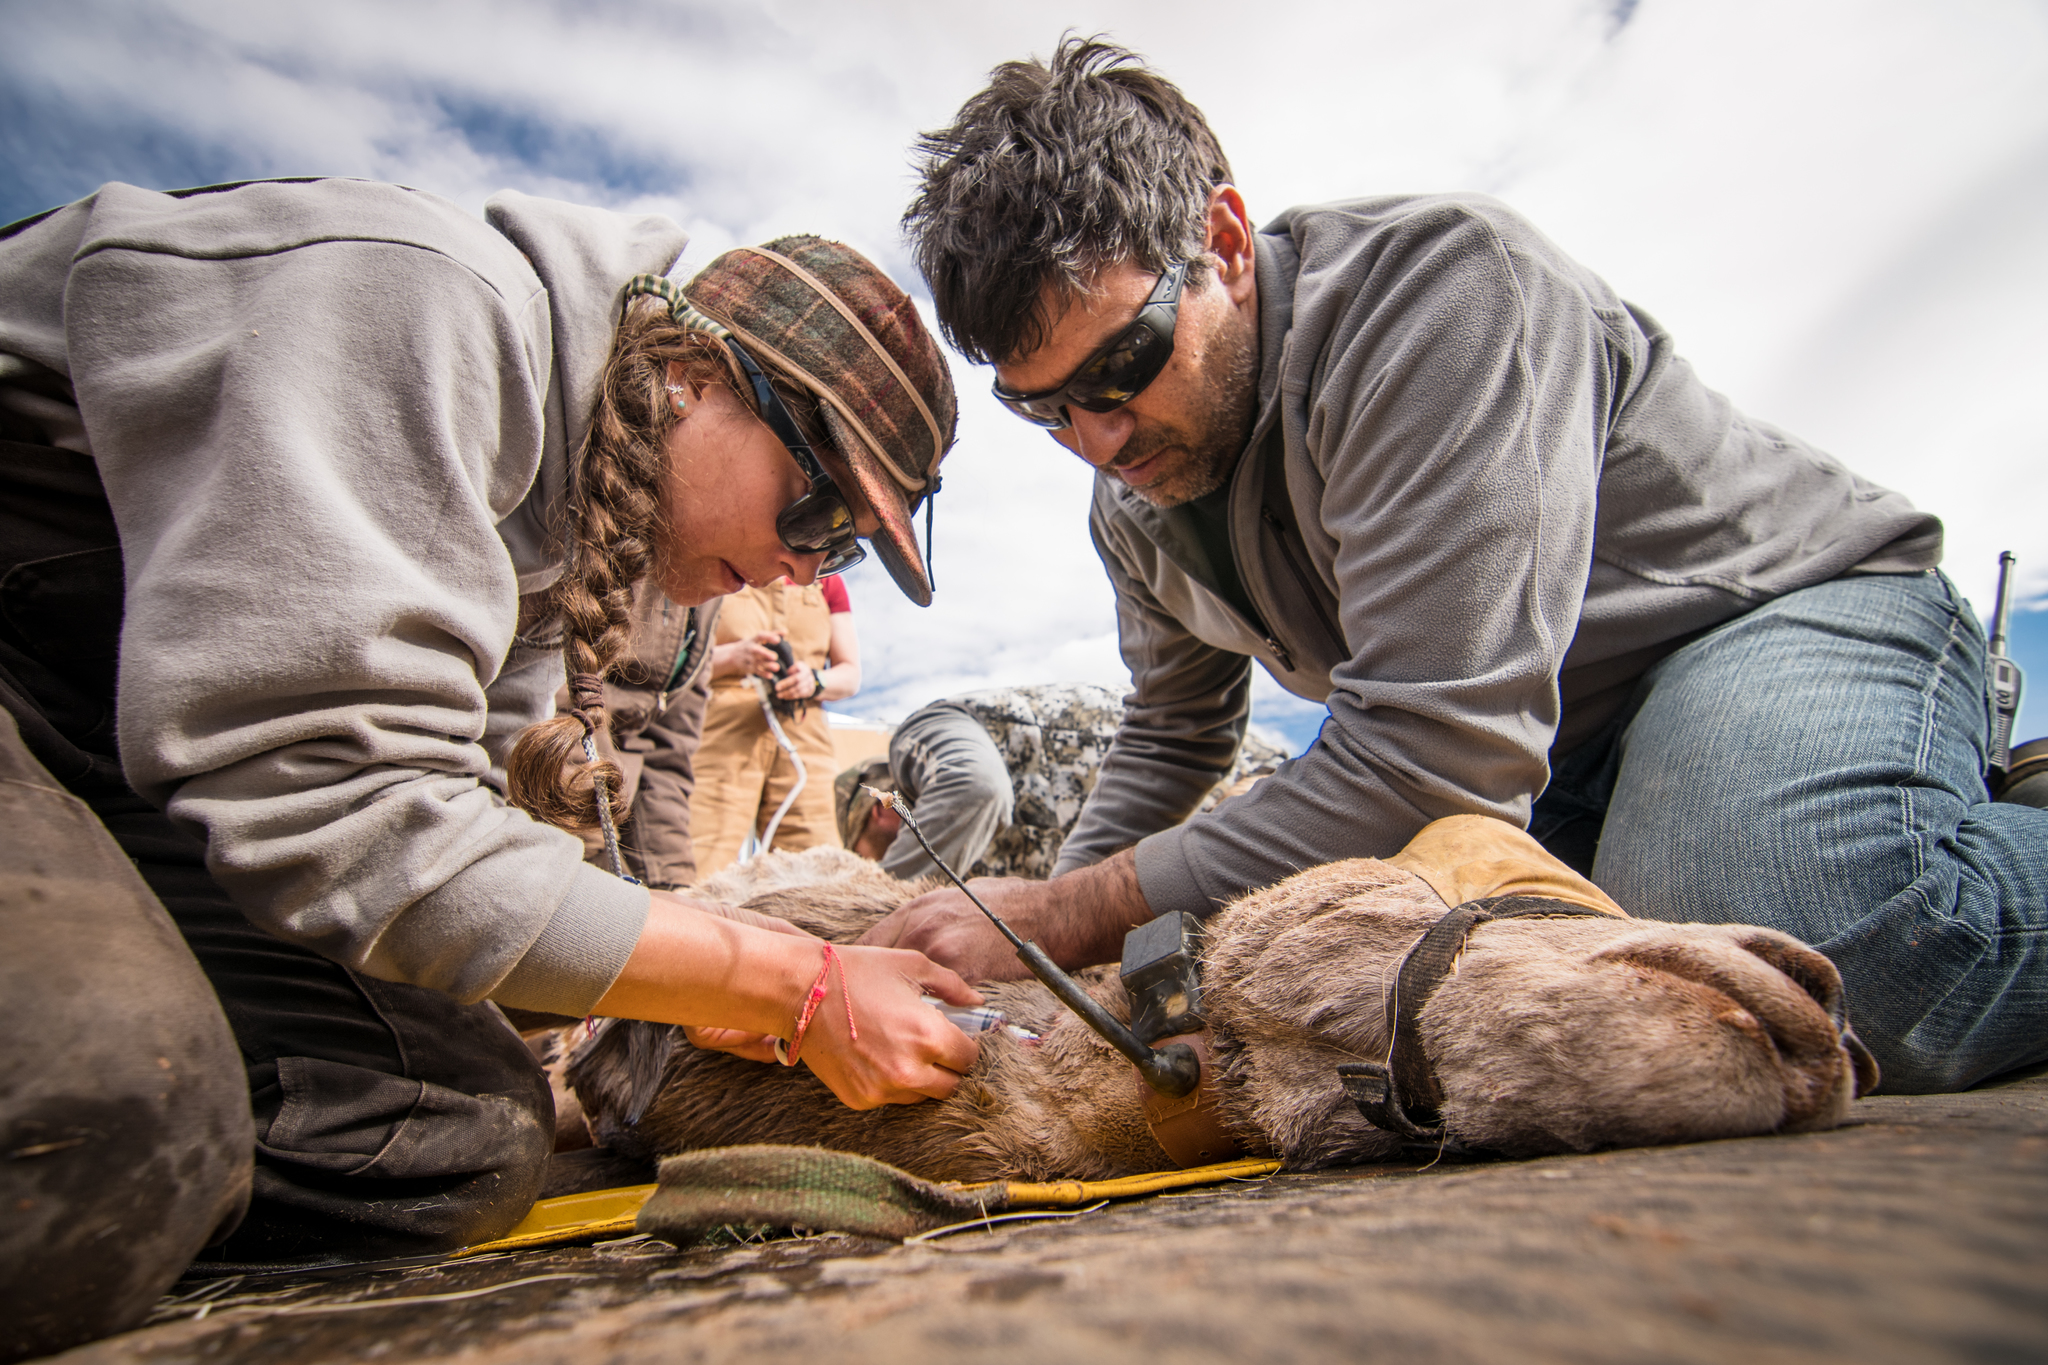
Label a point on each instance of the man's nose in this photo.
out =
(1097, 437)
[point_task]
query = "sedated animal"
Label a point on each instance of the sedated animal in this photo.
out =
(1549, 1035)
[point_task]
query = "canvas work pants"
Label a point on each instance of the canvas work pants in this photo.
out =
(743, 775)
(360, 1119)
(1817, 766)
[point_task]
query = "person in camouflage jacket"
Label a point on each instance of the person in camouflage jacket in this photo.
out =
(996, 779)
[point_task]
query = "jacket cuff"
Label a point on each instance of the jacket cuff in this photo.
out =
(582, 951)
(1167, 878)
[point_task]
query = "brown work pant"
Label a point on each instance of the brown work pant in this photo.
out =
(122, 1104)
(145, 1022)
(743, 774)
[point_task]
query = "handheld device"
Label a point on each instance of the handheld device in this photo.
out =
(978, 1019)
(786, 664)
(2002, 676)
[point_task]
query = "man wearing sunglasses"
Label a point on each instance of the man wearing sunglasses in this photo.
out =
(1421, 466)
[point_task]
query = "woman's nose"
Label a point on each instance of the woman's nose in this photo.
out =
(801, 570)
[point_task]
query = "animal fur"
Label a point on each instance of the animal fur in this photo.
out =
(1551, 1035)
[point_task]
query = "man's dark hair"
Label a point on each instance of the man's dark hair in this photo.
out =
(1047, 176)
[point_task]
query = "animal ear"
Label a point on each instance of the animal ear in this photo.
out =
(1861, 1063)
(648, 1047)
(623, 1054)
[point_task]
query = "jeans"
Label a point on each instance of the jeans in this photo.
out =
(1817, 766)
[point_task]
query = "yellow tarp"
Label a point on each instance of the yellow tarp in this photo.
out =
(1021, 1194)
(599, 1214)
(569, 1218)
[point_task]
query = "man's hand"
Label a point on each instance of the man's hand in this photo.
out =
(945, 927)
(1079, 919)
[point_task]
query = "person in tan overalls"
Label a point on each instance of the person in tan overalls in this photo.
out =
(742, 773)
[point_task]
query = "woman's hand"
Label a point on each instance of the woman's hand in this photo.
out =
(907, 1051)
(753, 657)
(755, 1047)
(738, 985)
(804, 683)
(772, 923)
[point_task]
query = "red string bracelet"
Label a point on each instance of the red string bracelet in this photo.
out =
(813, 1000)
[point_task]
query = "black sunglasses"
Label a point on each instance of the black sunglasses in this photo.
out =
(1117, 373)
(822, 519)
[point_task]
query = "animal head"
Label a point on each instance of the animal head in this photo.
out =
(1548, 1035)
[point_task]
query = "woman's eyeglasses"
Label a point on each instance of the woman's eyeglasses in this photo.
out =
(1117, 373)
(821, 521)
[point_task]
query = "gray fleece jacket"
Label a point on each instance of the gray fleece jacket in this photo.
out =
(1482, 497)
(333, 420)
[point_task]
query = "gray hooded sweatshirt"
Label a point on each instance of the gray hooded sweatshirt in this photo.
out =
(1483, 495)
(333, 420)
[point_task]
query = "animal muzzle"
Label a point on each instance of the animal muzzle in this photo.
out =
(1819, 978)
(1781, 993)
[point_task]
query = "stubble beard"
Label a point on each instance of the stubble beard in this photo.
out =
(1215, 436)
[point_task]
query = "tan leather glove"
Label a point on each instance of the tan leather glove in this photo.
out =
(1471, 857)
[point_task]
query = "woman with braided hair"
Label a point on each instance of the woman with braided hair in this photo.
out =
(312, 492)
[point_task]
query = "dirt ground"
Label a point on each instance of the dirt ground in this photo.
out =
(1919, 1233)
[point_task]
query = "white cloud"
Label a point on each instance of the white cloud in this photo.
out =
(1836, 208)
(1835, 205)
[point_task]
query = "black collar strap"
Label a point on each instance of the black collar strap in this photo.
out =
(1402, 1095)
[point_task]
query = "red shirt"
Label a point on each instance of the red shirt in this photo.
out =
(835, 594)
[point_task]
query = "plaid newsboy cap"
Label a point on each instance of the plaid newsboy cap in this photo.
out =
(827, 318)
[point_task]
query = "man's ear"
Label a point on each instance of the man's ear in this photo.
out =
(1230, 241)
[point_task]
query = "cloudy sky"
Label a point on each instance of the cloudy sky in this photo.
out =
(1839, 209)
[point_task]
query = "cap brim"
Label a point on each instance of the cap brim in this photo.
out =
(853, 802)
(895, 542)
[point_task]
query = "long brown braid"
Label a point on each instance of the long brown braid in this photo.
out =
(613, 534)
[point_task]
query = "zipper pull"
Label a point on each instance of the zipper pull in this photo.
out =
(675, 673)
(1273, 525)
